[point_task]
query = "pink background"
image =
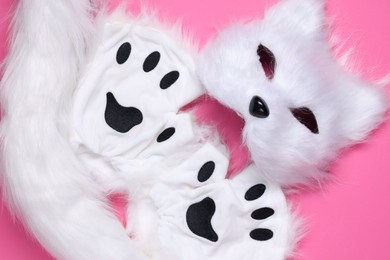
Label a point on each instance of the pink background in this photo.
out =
(348, 218)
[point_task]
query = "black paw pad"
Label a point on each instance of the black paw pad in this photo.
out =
(120, 118)
(206, 171)
(261, 234)
(123, 53)
(151, 61)
(199, 217)
(169, 79)
(166, 134)
(255, 192)
(262, 213)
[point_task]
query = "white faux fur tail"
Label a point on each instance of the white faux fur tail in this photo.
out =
(45, 184)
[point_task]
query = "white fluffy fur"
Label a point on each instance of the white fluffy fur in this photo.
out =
(306, 75)
(44, 182)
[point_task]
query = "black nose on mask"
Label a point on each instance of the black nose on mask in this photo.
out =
(258, 108)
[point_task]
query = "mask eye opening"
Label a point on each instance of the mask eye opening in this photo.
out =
(306, 117)
(267, 60)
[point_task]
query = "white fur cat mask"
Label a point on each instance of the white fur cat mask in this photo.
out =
(300, 106)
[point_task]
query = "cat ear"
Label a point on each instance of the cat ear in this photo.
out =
(363, 108)
(304, 17)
